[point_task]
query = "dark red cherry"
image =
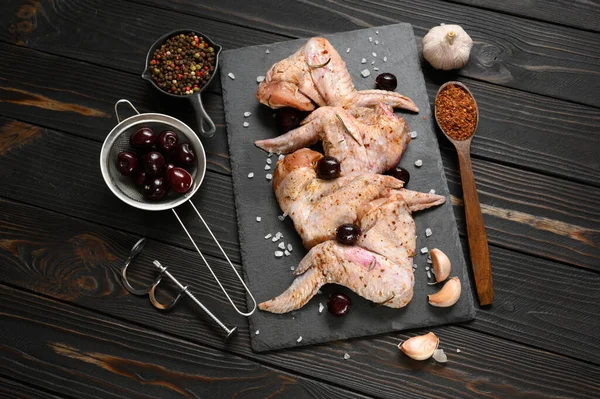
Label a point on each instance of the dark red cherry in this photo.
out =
(141, 179)
(339, 304)
(155, 189)
(287, 119)
(179, 179)
(183, 155)
(166, 170)
(143, 139)
(386, 81)
(328, 168)
(154, 163)
(127, 163)
(166, 141)
(400, 174)
(348, 234)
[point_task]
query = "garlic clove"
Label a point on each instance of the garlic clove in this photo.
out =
(420, 347)
(448, 295)
(441, 265)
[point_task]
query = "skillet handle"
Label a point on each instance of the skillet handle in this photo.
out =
(205, 124)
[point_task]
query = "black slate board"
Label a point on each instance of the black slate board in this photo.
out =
(266, 275)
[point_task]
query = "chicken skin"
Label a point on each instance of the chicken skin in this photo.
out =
(374, 142)
(317, 75)
(379, 266)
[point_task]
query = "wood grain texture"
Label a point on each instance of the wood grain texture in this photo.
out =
(582, 14)
(50, 26)
(525, 211)
(10, 389)
(80, 263)
(528, 55)
(85, 355)
(478, 244)
(524, 130)
(62, 172)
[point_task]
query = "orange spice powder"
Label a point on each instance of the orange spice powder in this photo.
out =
(456, 112)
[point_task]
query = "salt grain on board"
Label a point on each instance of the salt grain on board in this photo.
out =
(428, 232)
(299, 339)
(281, 156)
(267, 51)
(432, 191)
(346, 356)
(375, 69)
(376, 42)
(278, 254)
(267, 167)
(287, 253)
(413, 134)
(424, 250)
(289, 247)
(418, 163)
(347, 50)
(232, 76)
(384, 59)
(374, 54)
(321, 307)
(370, 39)
(281, 245)
(245, 124)
(257, 332)
(365, 73)
(363, 61)
(269, 176)
(259, 79)
(250, 175)
(269, 161)
(268, 236)
(247, 114)
(258, 218)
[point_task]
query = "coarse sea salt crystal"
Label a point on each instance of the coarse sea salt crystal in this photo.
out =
(247, 114)
(269, 161)
(428, 274)
(428, 232)
(424, 250)
(413, 134)
(281, 245)
(418, 163)
(375, 69)
(282, 216)
(346, 356)
(260, 79)
(376, 32)
(414, 266)
(281, 156)
(363, 61)
(370, 39)
(275, 239)
(267, 51)
(268, 236)
(457, 350)
(440, 356)
(432, 191)
(347, 50)
(278, 254)
(257, 332)
(384, 59)
(258, 218)
(250, 175)
(267, 167)
(299, 339)
(374, 54)
(372, 62)
(376, 42)
(269, 176)
(287, 253)
(232, 76)
(321, 307)
(289, 247)
(426, 267)
(365, 73)
(428, 260)
(245, 124)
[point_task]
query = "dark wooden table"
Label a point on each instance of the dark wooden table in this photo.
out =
(69, 329)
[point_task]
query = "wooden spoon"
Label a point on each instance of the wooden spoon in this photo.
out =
(478, 245)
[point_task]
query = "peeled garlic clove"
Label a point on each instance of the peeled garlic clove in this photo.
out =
(441, 265)
(447, 47)
(420, 347)
(448, 295)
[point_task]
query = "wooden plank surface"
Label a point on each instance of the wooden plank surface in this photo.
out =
(582, 14)
(523, 211)
(85, 355)
(10, 389)
(515, 52)
(81, 263)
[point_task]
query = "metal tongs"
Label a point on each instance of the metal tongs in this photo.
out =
(184, 290)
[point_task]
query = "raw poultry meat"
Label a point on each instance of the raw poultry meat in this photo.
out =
(362, 140)
(379, 266)
(316, 74)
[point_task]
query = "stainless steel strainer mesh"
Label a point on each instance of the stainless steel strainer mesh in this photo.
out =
(124, 188)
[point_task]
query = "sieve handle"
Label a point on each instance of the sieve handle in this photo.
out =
(121, 101)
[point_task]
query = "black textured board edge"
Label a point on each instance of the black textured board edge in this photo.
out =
(268, 276)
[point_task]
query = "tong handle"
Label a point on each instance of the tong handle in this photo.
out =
(210, 268)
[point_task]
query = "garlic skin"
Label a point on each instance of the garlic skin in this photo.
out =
(420, 347)
(447, 47)
(448, 295)
(441, 265)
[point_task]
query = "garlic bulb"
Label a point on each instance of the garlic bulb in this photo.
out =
(420, 347)
(447, 47)
(448, 295)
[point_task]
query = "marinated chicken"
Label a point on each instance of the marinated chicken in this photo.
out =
(363, 140)
(379, 266)
(317, 75)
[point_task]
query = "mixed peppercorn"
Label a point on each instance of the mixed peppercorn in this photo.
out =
(183, 64)
(456, 112)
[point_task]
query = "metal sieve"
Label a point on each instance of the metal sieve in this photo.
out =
(123, 187)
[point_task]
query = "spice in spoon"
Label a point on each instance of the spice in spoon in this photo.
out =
(456, 112)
